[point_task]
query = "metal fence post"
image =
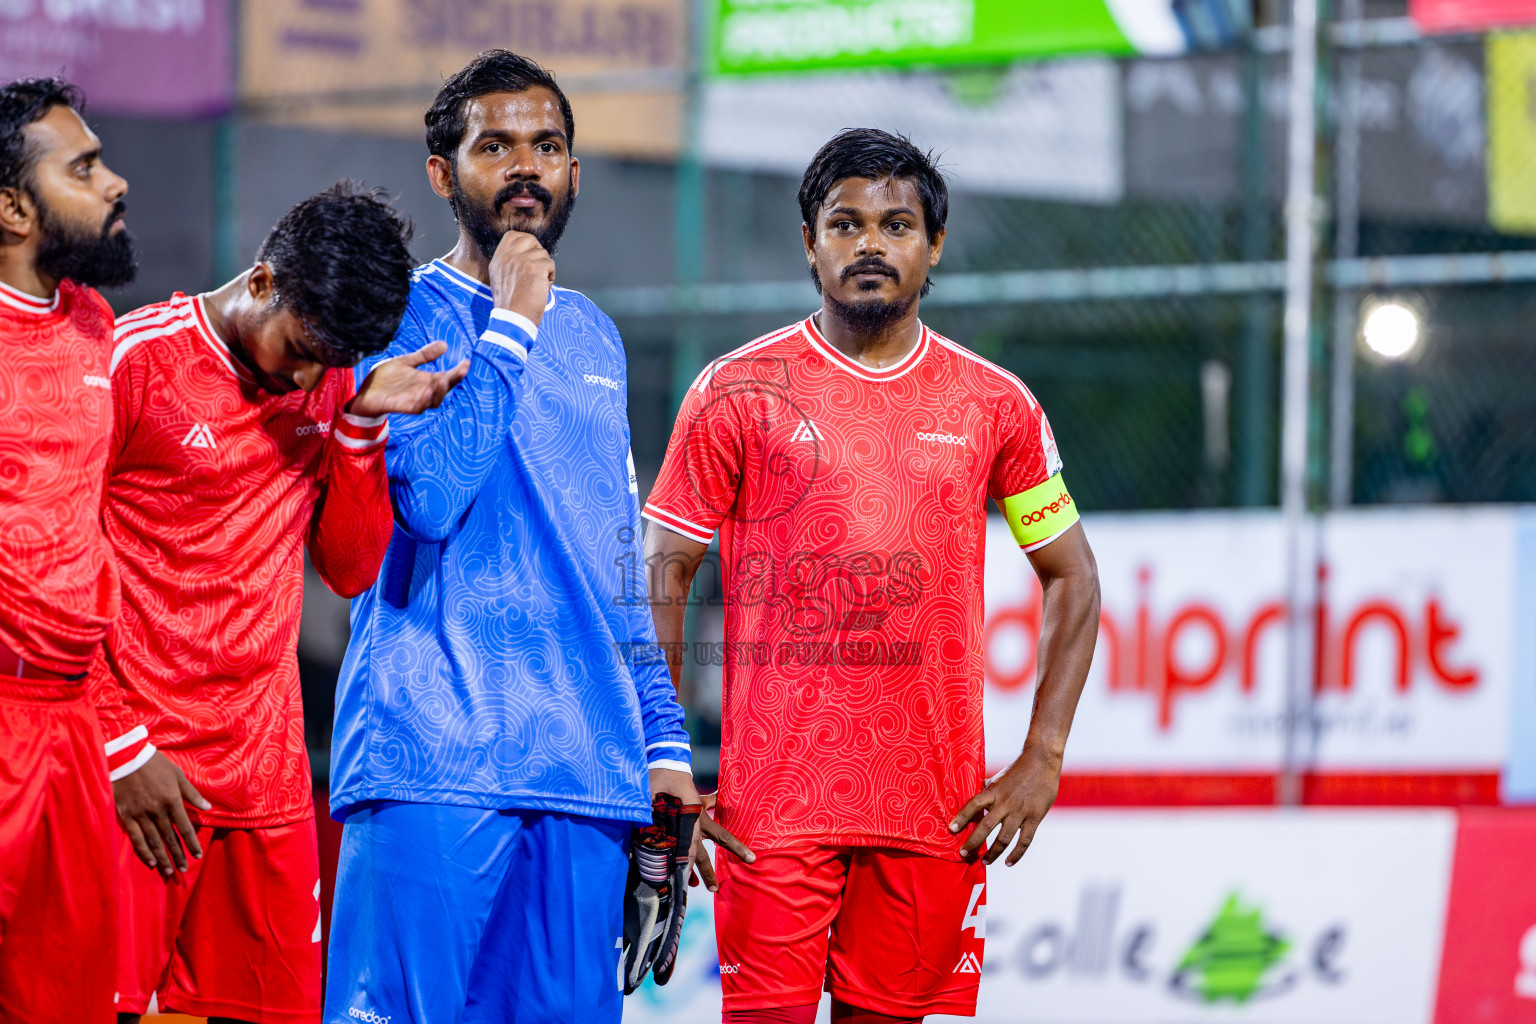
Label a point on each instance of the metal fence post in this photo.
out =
(688, 234)
(1346, 246)
(1300, 269)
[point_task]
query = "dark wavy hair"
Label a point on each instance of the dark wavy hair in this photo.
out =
(876, 155)
(340, 262)
(22, 103)
(491, 71)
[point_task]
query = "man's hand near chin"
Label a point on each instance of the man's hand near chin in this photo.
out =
(151, 808)
(680, 785)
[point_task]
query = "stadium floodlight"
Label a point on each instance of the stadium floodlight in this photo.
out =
(1391, 329)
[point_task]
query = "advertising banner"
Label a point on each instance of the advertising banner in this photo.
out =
(374, 65)
(1186, 701)
(1488, 972)
(1511, 65)
(1323, 917)
(1049, 130)
(1469, 15)
(154, 58)
(798, 35)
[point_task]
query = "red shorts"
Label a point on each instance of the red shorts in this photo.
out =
(237, 936)
(884, 930)
(58, 875)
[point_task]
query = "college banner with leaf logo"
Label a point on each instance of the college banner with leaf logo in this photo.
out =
(1231, 917)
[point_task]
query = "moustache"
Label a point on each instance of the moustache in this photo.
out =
(870, 265)
(118, 209)
(524, 188)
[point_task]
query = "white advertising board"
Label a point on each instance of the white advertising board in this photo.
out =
(1418, 616)
(1050, 130)
(1124, 917)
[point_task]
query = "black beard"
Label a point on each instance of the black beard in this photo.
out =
(487, 233)
(103, 260)
(870, 317)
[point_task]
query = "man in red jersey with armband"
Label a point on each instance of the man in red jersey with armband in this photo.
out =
(61, 235)
(239, 443)
(846, 462)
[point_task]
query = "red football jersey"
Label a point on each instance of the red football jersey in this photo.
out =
(215, 488)
(851, 505)
(58, 587)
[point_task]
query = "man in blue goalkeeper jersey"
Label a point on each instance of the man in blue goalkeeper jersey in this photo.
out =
(492, 740)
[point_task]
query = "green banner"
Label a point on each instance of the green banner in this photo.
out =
(798, 35)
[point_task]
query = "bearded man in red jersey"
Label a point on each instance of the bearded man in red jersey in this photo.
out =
(61, 236)
(846, 461)
(240, 442)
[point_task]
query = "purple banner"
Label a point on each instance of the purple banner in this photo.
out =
(167, 58)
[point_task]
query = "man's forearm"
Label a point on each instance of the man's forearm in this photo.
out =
(1068, 631)
(671, 561)
(669, 610)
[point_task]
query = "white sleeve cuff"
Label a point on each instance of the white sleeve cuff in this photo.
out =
(505, 328)
(128, 768)
(127, 739)
(676, 766)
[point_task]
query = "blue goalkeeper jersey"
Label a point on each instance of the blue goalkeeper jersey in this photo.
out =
(506, 656)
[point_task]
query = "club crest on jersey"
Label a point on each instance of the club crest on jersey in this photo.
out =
(806, 431)
(198, 437)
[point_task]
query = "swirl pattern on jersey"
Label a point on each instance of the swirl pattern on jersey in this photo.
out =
(58, 587)
(215, 488)
(490, 665)
(851, 506)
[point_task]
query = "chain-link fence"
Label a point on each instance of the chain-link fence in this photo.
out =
(1116, 239)
(1124, 255)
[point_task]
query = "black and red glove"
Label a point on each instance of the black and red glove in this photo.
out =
(656, 894)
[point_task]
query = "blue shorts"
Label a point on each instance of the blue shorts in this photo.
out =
(450, 914)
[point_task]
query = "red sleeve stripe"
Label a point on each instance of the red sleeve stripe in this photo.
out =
(360, 433)
(129, 337)
(701, 382)
(127, 739)
(146, 316)
(132, 765)
(678, 524)
(128, 753)
(364, 422)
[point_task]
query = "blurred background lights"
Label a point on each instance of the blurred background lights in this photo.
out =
(1391, 329)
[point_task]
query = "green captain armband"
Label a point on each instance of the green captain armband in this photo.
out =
(1040, 513)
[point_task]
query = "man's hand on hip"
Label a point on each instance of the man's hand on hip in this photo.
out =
(680, 785)
(150, 807)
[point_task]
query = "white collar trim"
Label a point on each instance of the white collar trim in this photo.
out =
(858, 369)
(479, 288)
(20, 300)
(211, 337)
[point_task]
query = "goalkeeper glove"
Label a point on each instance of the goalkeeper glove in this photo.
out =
(656, 894)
